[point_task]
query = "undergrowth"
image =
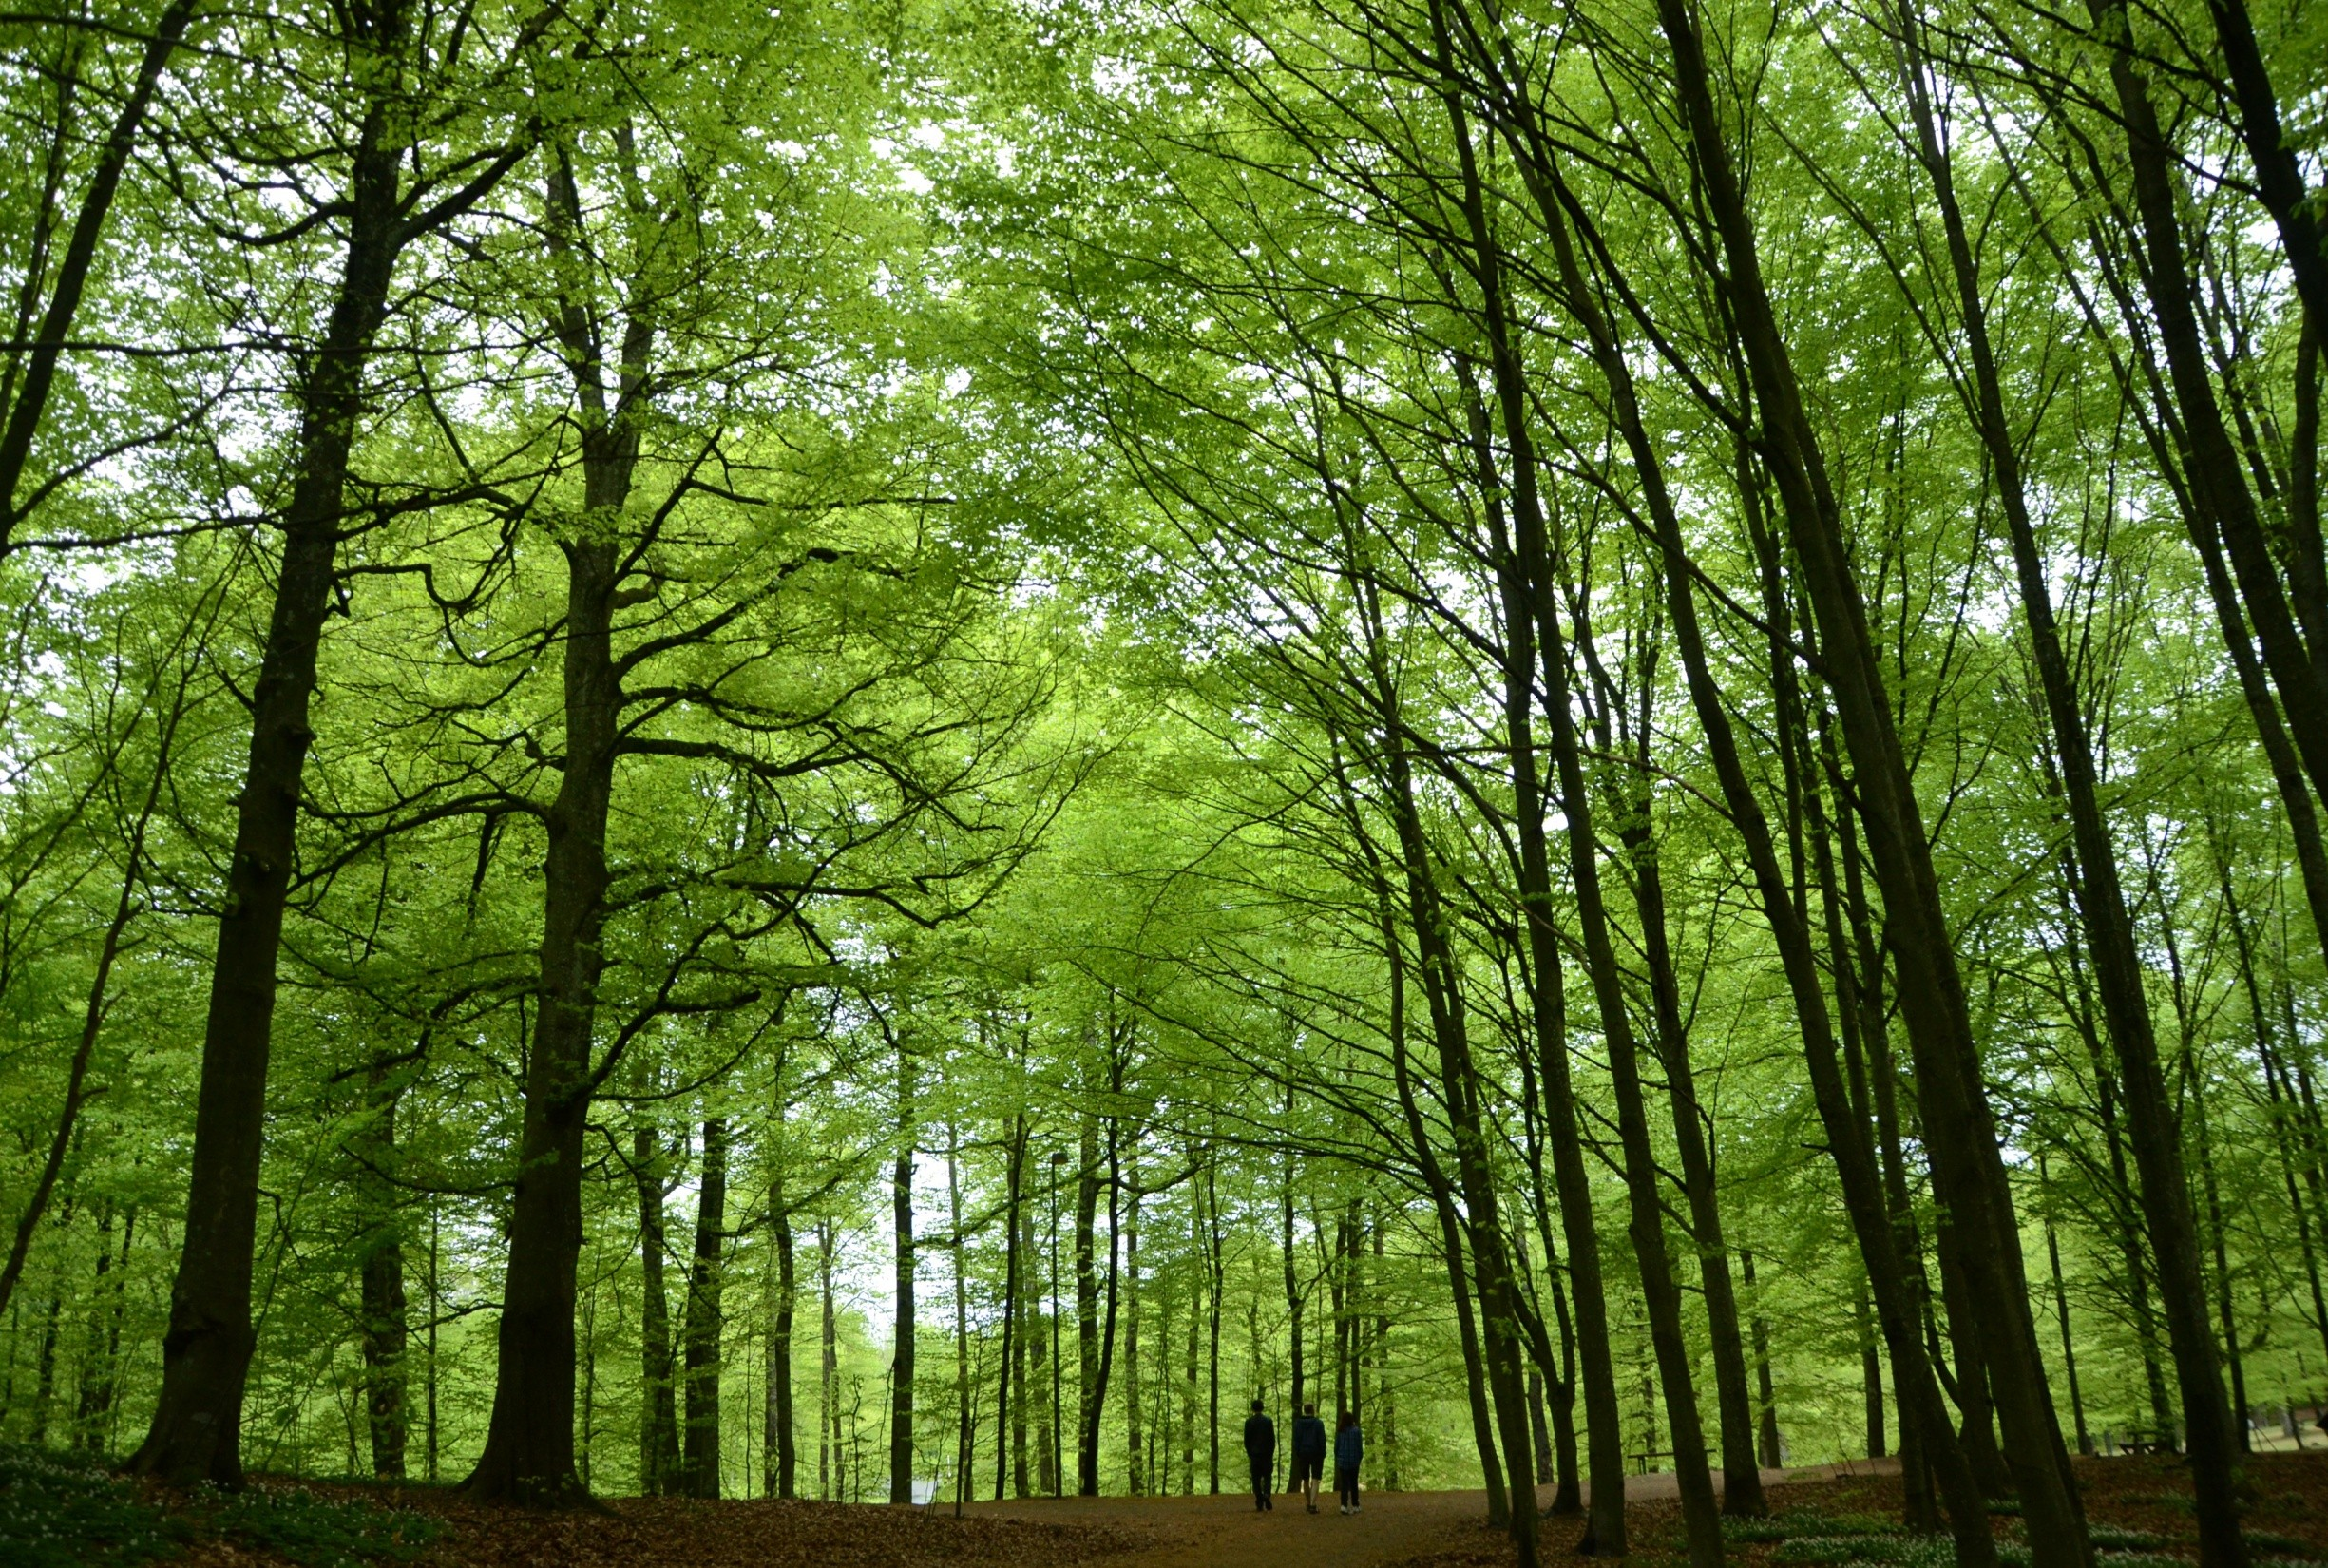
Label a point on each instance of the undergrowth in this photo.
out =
(68, 1511)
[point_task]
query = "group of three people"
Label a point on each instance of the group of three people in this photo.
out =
(1308, 1456)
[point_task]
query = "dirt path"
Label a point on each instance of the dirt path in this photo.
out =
(1391, 1527)
(1228, 1532)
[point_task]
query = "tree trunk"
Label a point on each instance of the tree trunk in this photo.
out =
(827, 1366)
(1450, 1226)
(1518, 580)
(1087, 1306)
(196, 1428)
(1293, 1284)
(659, 1422)
(381, 1285)
(1491, 1275)
(1087, 1445)
(2107, 921)
(1135, 1481)
(1871, 1220)
(2061, 1309)
(780, 1443)
(1009, 1404)
(699, 1462)
(901, 1355)
(1766, 1434)
(1968, 1171)
(528, 1455)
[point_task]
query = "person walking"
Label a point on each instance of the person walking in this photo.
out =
(1308, 1454)
(1349, 1449)
(1261, 1456)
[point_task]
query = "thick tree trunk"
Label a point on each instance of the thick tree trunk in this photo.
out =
(529, 1452)
(196, 1428)
(699, 1462)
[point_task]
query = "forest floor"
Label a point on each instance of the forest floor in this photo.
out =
(60, 1512)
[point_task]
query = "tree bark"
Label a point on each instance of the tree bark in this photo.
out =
(1960, 1128)
(780, 1443)
(658, 1421)
(2102, 906)
(529, 1452)
(1864, 1198)
(196, 1427)
(902, 1353)
(706, 1281)
(381, 1285)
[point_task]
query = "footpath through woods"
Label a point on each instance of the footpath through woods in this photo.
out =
(68, 1511)
(1390, 1528)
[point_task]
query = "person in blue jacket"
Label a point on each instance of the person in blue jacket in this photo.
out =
(1349, 1449)
(1308, 1454)
(1261, 1456)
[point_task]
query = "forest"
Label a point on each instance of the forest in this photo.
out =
(881, 750)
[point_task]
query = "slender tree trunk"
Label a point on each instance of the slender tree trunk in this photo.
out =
(827, 1366)
(1216, 1273)
(1871, 1376)
(659, 1422)
(2061, 1310)
(1500, 1313)
(1520, 579)
(1766, 1412)
(2107, 921)
(1135, 1442)
(1293, 1284)
(1009, 1407)
(93, 1011)
(961, 1319)
(1087, 1304)
(780, 1443)
(381, 1285)
(706, 1280)
(1196, 1332)
(196, 1428)
(1968, 1171)
(901, 1355)
(1450, 1227)
(1871, 1217)
(1087, 1436)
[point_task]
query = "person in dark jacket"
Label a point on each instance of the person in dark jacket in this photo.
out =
(1349, 1449)
(1308, 1454)
(1261, 1455)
